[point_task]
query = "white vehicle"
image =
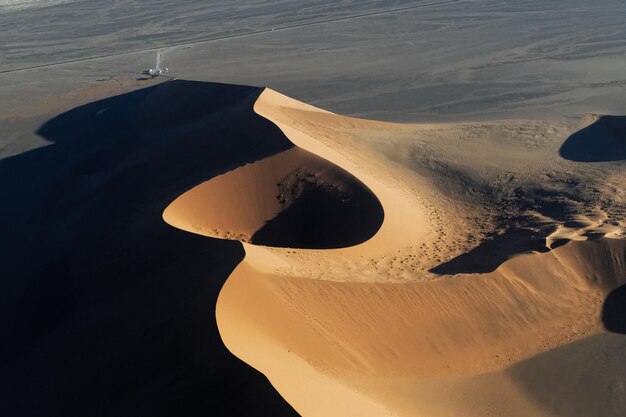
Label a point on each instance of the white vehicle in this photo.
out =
(157, 70)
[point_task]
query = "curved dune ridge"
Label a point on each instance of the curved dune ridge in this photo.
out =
(291, 199)
(361, 328)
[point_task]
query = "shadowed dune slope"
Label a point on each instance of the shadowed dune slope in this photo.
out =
(614, 310)
(492, 253)
(109, 311)
(602, 141)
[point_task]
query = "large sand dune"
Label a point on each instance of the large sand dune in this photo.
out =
(468, 269)
(484, 281)
(378, 328)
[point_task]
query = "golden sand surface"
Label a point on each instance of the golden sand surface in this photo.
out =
(366, 325)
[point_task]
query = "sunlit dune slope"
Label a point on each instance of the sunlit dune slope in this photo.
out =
(367, 330)
(370, 335)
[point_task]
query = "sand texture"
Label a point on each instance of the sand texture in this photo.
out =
(193, 248)
(365, 268)
(423, 270)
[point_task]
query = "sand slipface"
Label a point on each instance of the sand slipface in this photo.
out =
(351, 317)
(291, 199)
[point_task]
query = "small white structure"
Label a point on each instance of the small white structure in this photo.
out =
(157, 70)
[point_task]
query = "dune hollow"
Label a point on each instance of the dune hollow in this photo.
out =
(292, 199)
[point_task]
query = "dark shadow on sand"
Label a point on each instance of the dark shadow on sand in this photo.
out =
(614, 311)
(602, 141)
(324, 218)
(490, 254)
(107, 310)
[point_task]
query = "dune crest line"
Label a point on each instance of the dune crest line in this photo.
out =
(343, 331)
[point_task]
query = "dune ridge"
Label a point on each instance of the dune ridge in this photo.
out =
(291, 199)
(362, 327)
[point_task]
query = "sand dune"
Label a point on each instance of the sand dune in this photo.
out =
(372, 329)
(424, 269)
(291, 199)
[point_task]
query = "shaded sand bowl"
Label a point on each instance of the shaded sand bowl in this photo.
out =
(292, 199)
(434, 348)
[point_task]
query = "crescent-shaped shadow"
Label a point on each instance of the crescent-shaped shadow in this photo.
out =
(614, 311)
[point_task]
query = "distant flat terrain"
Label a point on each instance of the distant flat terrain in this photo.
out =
(451, 61)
